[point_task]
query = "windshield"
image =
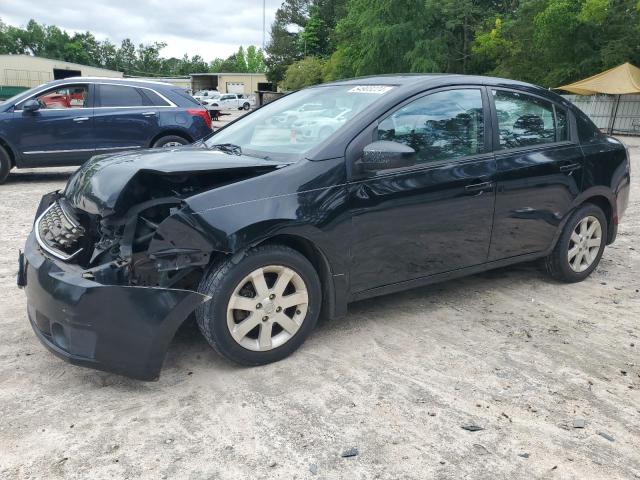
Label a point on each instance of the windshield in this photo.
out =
(291, 126)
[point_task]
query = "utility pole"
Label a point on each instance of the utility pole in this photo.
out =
(264, 21)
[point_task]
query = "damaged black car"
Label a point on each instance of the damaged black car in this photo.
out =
(329, 195)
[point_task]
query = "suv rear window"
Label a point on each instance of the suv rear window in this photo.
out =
(119, 96)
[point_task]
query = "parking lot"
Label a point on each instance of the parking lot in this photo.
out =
(547, 374)
(228, 116)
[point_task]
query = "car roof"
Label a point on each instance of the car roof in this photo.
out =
(432, 79)
(116, 80)
(417, 82)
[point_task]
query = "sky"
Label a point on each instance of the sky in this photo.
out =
(213, 28)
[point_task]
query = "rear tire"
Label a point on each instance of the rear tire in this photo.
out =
(580, 246)
(278, 315)
(5, 165)
(170, 141)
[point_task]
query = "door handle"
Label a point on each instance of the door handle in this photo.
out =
(149, 114)
(570, 167)
(80, 119)
(478, 187)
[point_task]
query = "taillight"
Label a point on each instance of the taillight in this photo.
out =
(197, 112)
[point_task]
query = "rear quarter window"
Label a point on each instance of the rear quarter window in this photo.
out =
(153, 98)
(185, 99)
(587, 131)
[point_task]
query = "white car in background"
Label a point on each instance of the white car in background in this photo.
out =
(323, 125)
(209, 100)
(201, 95)
(232, 101)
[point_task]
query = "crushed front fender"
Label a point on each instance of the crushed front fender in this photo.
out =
(116, 328)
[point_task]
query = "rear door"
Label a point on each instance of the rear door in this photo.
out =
(125, 117)
(60, 132)
(539, 166)
(432, 217)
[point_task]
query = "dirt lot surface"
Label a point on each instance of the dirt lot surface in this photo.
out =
(521, 356)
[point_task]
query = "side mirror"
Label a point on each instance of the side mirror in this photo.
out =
(31, 105)
(385, 155)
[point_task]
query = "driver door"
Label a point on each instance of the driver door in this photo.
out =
(60, 132)
(436, 215)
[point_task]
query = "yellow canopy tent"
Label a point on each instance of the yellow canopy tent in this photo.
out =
(620, 80)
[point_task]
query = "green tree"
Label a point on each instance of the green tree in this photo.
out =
(313, 39)
(148, 60)
(284, 48)
(553, 42)
(240, 60)
(255, 60)
(377, 37)
(305, 72)
(302, 27)
(126, 56)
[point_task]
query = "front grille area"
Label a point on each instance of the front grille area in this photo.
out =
(58, 232)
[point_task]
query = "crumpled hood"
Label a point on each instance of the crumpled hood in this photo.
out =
(97, 186)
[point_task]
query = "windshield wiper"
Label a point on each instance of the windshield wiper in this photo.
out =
(228, 148)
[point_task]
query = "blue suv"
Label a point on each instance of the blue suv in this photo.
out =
(66, 122)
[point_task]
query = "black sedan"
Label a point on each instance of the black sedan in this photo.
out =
(377, 185)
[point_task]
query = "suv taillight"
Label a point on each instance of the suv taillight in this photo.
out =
(201, 112)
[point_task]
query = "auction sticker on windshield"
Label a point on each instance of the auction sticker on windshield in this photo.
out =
(377, 89)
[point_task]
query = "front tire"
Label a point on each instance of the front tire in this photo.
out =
(580, 245)
(170, 141)
(246, 106)
(5, 165)
(263, 305)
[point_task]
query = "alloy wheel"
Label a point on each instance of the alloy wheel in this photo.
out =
(584, 244)
(267, 308)
(172, 144)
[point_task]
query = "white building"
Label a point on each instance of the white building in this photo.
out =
(26, 71)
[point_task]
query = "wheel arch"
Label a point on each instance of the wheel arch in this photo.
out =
(607, 207)
(165, 133)
(605, 199)
(320, 262)
(12, 156)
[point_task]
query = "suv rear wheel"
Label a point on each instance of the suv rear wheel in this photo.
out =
(169, 141)
(580, 245)
(263, 306)
(5, 165)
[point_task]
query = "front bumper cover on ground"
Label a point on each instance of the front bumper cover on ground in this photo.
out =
(116, 328)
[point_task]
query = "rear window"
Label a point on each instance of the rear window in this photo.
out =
(525, 120)
(120, 96)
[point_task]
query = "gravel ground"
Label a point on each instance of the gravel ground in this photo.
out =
(510, 351)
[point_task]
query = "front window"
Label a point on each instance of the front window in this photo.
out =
(67, 96)
(440, 126)
(291, 126)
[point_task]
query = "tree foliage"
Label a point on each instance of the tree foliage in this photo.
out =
(49, 41)
(301, 28)
(303, 73)
(549, 42)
